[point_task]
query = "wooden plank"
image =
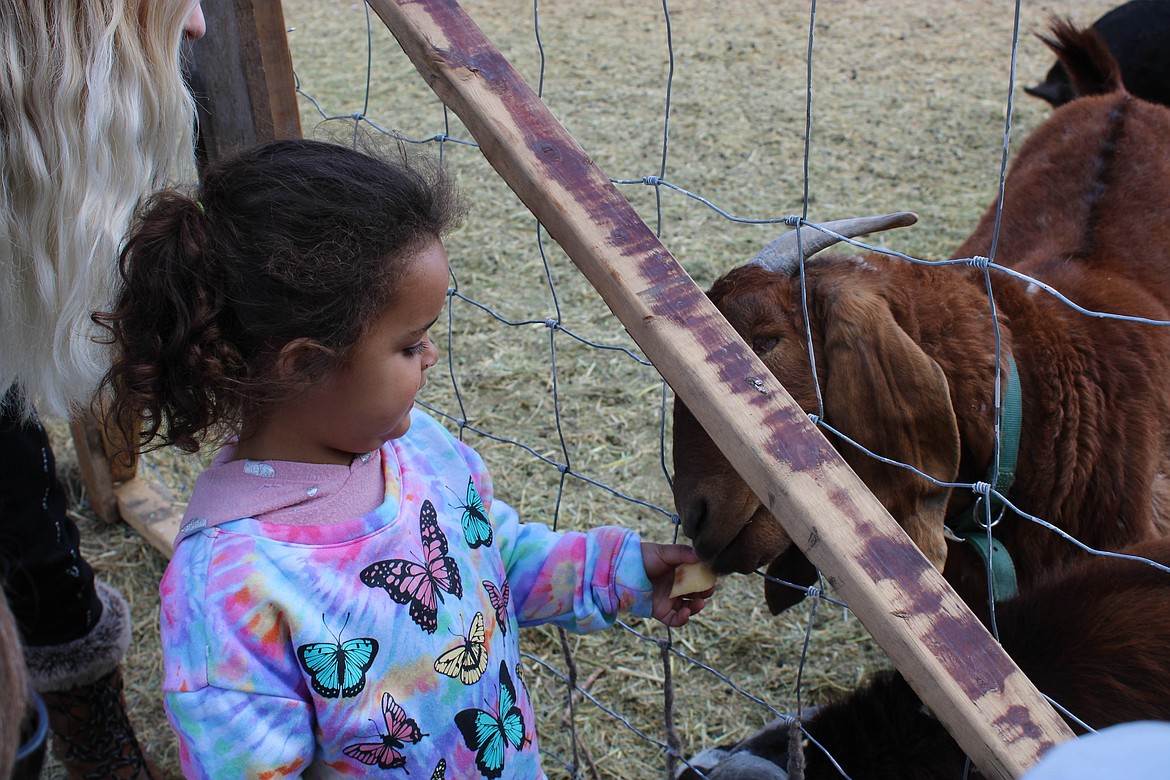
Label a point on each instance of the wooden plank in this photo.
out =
(150, 512)
(241, 75)
(980, 695)
(93, 461)
(276, 65)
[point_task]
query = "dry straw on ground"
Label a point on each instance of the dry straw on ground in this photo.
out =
(908, 113)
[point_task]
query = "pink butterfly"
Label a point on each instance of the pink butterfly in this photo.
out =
(421, 585)
(399, 730)
(500, 602)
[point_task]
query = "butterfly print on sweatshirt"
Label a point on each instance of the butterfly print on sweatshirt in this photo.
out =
(338, 669)
(421, 585)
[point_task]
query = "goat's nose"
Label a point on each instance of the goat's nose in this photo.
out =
(693, 515)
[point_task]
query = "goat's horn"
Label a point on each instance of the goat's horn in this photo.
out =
(783, 254)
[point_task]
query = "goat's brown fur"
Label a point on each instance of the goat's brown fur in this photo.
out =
(1094, 637)
(906, 356)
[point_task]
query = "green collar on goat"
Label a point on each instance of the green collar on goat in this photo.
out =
(970, 526)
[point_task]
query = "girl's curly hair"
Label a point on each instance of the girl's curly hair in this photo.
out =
(286, 240)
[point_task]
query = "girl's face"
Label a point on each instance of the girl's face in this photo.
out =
(368, 401)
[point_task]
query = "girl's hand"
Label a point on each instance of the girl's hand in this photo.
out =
(660, 561)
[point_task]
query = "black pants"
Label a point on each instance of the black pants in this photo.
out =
(48, 585)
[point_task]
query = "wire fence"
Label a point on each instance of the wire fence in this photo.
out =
(572, 418)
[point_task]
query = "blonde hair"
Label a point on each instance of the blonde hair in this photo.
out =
(94, 114)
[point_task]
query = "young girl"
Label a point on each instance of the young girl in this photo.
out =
(346, 589)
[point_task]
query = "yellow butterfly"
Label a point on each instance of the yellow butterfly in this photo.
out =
(467, 661)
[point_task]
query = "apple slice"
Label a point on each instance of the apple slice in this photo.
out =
(692, 578)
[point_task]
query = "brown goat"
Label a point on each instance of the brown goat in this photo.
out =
(906, 357)
(1095, 638)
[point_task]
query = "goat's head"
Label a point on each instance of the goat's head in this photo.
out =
(879, 388)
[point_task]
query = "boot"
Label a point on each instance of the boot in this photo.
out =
(81, 684)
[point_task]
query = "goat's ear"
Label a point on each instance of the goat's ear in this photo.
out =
(790, 566)
(884, 392)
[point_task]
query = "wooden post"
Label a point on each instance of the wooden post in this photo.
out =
(241, 75)
(101, 467)
(960, 672)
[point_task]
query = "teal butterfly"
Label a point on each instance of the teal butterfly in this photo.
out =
(338, 669)
(489, 735)
(477, 531)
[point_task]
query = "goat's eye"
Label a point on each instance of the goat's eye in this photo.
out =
(762, 345)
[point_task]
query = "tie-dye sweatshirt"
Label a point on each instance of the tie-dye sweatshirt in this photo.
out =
(378, 645)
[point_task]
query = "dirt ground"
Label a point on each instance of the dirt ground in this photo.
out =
(908, 108)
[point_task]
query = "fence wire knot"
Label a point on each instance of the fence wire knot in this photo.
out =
(813, 592)
(792, 221)
(551, 324)
(815, 418)
(982, 488)
(979, 261)
(652, 181)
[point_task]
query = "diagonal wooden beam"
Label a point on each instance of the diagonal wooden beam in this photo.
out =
(961, 673)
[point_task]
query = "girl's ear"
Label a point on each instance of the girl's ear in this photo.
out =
(302, 360)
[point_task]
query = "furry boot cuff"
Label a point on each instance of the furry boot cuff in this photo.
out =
(85, 660)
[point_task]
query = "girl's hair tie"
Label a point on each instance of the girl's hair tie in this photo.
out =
(199, 205)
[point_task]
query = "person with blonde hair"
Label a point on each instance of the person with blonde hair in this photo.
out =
(94, 115)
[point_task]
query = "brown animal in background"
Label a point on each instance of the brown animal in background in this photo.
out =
(1095, 638)
(906, 356)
